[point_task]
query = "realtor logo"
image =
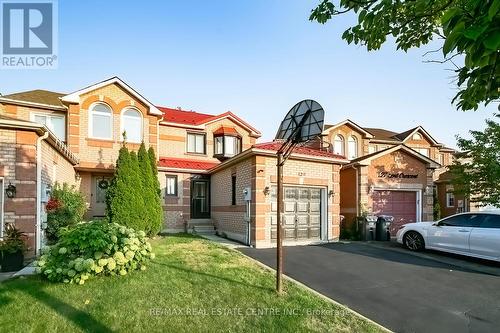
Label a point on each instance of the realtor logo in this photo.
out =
(29, 34)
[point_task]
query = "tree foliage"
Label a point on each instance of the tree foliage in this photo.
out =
(476, 172)
(470, 28)
(151, 188)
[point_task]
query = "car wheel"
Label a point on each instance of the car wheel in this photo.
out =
(414, 241)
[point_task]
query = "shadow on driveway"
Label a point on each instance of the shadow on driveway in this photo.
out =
(399, 290)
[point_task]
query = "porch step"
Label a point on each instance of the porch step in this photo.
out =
(201, 226)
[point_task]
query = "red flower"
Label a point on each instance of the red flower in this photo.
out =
(52, 205)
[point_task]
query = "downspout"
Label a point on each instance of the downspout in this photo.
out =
(38, 224)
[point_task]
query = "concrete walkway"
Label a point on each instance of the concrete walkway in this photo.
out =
(222, 241)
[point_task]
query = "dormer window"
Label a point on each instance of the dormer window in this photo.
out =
(227, 142)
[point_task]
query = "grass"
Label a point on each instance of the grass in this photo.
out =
(192, 285)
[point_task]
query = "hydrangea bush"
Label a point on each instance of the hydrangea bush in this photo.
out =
(94, 248)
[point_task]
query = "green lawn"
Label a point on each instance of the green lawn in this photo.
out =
(192, 285)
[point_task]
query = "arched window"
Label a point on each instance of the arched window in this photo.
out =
(132, 125)
(101, 121)
(417, 136)
(338, 145)
(352, 147)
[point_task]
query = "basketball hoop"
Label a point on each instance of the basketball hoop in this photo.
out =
(304, 122)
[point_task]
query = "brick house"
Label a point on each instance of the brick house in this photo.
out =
(388, 173)
(212, 172)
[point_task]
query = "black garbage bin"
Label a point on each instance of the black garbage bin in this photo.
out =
(383, 232)
(367, 227)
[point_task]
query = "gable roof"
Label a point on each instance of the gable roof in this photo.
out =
(366, 160)
(302, 150)
(38, 97)
(408, 134)
(382, 134)
(74, 97)
(183, 117)
(328, 128)
(192, 119)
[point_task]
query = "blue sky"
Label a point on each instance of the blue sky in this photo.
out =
(256, 58)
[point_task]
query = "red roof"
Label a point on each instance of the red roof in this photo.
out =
(184, 117)
(275, 145)
(195, 118)
(183, 163)
(226, 130)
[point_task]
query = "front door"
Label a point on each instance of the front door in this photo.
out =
(200, 198)
(1, 206)
(99, 188)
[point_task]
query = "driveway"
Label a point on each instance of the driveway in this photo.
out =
(399, 290)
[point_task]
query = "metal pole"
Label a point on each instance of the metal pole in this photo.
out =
(279, 245)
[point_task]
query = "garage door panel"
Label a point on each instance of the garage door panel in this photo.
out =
(302, 233)
(302, 219)
(290, 233)
(289, 207)
(314, 232)
(289, 220)
(399, 204)
(302, 208)
(314, 220)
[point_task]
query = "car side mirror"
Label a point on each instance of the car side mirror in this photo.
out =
(436, 224)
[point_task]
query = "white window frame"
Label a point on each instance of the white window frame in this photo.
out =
(176, 185)
(352, 139)
(450, 195)
(204, 143)
(48, 117)
(122, 122)
(90, 122)
(417, 136)
(428, 152)
(342, 152)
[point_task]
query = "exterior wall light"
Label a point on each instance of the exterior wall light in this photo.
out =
(10, 191)
(428, 190)
(330, 193)
(371, 189)
(266, 190)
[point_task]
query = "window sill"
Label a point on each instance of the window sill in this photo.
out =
(99, 139)
(196, 154)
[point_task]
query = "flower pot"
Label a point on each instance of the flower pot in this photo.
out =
(12, 261)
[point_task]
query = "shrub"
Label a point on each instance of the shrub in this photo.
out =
(152, 201)
(133, 198)
(94, 248)
(124, 203)
(66, 207)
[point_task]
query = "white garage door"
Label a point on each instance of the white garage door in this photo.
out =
(302, 214)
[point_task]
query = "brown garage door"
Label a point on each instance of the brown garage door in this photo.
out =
(302, 213)
(400, 204)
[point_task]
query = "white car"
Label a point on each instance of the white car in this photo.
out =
(469, 234)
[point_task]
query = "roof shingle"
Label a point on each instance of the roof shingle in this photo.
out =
(37, 96)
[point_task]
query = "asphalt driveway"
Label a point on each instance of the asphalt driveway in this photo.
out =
(399, 290)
